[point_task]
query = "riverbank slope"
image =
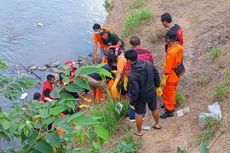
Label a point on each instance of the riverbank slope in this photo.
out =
(206, 26)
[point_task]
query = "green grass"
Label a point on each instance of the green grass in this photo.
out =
(107, 5)
(220, 91)
(127, 145)
(137, 4)
(211, 128)
(215, 54)
(180, 150)
(180, 98)
(134, 19)
(2, 64)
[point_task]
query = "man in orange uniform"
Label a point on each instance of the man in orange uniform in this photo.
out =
(120, 74)
(174, 57)
(97, 39)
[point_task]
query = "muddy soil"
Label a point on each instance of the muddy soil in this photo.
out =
(206, 25)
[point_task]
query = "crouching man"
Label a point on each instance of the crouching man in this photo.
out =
(144, 86)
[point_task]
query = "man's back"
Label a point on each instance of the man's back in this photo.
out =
(143, 79)
(144, 55)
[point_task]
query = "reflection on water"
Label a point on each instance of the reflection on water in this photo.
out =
(40, 31)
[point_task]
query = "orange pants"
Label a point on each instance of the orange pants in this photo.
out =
(169, 96)
(98, 95)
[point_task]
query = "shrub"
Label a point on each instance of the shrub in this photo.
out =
(180, 98)
(215, 54)
(107, 5)
(137, 4)
(134, 19)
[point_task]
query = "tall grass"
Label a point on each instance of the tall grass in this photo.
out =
(215, 54)
(211, 128)
(107, 5)
(180, 98)
(134, 19)
(137, 4)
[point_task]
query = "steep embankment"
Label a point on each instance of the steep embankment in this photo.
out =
(206, 25)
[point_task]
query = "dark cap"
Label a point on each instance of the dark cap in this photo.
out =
(171, 34)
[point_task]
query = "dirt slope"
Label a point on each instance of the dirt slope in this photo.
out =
(206, 25)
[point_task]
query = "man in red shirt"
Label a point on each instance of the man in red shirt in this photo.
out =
(48, 88)
(166, 21)
(143, 55)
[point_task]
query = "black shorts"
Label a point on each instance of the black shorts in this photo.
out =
(140, 107)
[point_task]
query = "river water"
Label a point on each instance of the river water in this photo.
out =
(40, 31)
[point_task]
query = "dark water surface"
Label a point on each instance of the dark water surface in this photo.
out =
(66, 32)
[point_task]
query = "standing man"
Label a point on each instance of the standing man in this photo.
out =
(166, 21)
(174, 57)
(143, 81)
(48, 88)
(143, 55)
(97, 39)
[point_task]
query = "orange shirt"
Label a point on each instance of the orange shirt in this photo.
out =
(121, 64)
(174, 57)
(97, 39)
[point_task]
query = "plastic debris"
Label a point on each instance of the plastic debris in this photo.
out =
(182, 112)
(23, 96)
(214, 112)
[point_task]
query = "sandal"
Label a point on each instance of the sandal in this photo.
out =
(157, 127)
(139, 135)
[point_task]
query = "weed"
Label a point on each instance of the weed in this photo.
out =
(134, 19)
(137, 4)
(127, 145)
(179, 150)
(107, 5)
(220, 91)
(215, 54)
(202, 81)
(207, 135)
(180, 98)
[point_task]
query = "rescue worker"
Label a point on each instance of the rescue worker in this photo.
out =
(120, 84)
(48, 88)
(144, 82)
(143, 55)
(166, 21)
(113, 43)
(170, 79)
(97, 39)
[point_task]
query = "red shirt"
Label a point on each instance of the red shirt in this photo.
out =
(46, 86)
(142, 55)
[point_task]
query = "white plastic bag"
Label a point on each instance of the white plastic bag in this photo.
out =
(215, 110)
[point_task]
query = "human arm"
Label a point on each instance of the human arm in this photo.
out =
(47, 95)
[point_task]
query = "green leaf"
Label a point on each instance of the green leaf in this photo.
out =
(203, 148)
(53, 139)
(26, 131)
(53, 93)
(66, 96)
(105, 73)
(81, 83)
(49, 120)
(44, 113)
(4, 136)
(70, 118)
(101, 132)
(43, 147)
(58, 109)
(6, 124)
(86, 70)
(2, 64)
(73, 88)
(70, 104)
(59, 122)
(65, 127)
(85, 120)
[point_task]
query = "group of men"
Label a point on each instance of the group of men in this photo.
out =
(140, 78)
(135, 76)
